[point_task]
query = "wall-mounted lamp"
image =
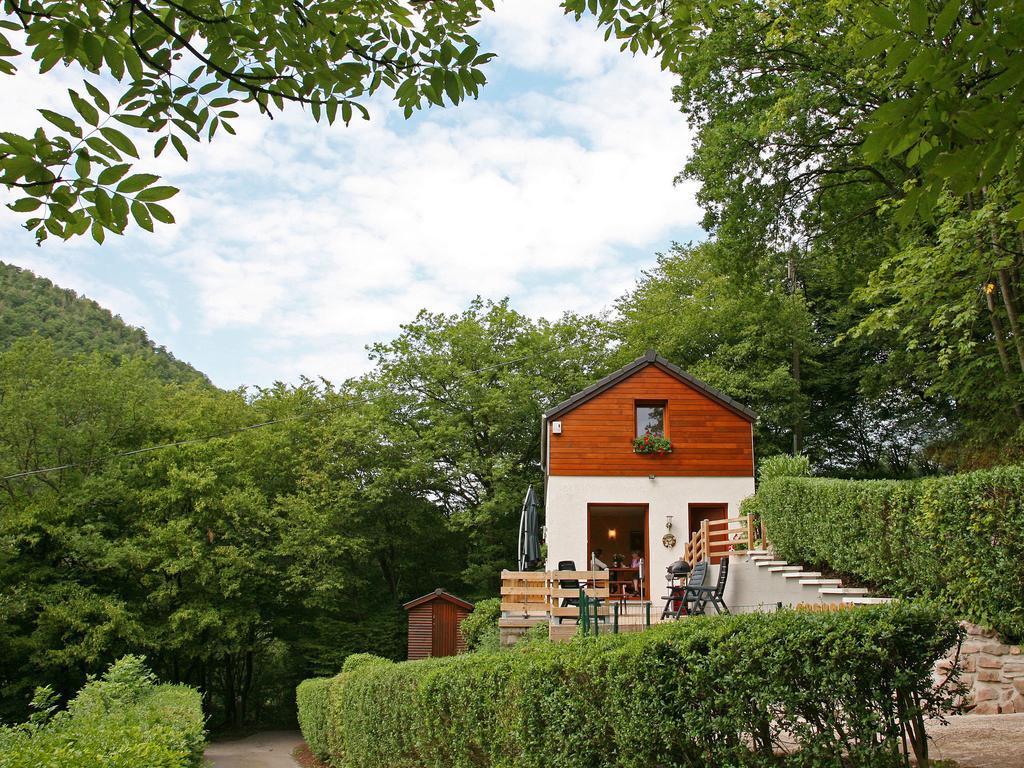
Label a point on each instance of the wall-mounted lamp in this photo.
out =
(556, 427)
(650, 477)
(612, 533)
(668, 522)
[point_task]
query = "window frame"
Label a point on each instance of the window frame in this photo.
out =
(650, 403)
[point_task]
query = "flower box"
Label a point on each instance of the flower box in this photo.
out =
(652, 444)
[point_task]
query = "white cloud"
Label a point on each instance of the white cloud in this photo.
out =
(308, 242)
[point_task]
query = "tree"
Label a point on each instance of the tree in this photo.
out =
(184, 66)
(941, 77)
(826, 153)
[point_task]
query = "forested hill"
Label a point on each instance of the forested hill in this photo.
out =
(76, 324)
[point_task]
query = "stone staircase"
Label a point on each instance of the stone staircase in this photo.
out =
(795, 583)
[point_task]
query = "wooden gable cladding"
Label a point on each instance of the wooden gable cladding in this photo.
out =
(709, 439)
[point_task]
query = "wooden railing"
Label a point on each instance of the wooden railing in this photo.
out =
(532, 597)
(717, 538)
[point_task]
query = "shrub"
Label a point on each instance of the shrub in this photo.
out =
(122, 720)
(480, 627)
(311, 701)
(844, 687)
(783, 465)
(959, 539)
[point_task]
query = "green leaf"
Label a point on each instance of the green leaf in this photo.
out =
(119, 140)
(885, 17)
(137, 182)
(179, 145)
(85, 109)
(62, 122)
(142, 216)
(918, 17)
(156, 193)
(112, 174)
(83, 165)
(69, 33)
(25, 204)
(160, 213)
(948, 15)
(98, 98)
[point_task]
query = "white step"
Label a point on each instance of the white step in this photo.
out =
(785, 569)
(862, 600)
(820, 582)
(843, 591)
(763, 563)
(757, 552)
(802, 575)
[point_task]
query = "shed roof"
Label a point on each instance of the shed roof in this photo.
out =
(650, 358)
(439, 594)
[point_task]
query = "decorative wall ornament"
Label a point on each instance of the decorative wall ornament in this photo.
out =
(668, 540)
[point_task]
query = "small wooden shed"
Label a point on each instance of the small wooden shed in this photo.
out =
(434, 621)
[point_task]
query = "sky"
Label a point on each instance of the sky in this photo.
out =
(298, 244)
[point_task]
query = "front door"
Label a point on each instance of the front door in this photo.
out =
(710, 512)
(446, 627)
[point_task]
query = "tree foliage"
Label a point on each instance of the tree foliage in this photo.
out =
(76, 325)
(862, 158)
(247, 559)
(166, 73)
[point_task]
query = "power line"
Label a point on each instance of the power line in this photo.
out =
(137, 451)
(205, 438)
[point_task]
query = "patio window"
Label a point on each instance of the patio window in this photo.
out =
(650, 418)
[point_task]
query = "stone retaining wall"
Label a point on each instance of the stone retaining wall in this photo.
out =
(993, 673)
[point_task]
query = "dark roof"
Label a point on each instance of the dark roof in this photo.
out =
(439, 594)
(650, 358)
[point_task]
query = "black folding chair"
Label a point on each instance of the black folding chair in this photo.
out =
(713, 595)
(681, 596)
(573, 584)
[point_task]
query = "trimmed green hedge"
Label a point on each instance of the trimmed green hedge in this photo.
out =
(958, 539)
(311, 701)
(704, 691)
(122, 720)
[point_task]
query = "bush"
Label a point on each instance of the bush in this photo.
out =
(480, 628)
(783, 465)
(311, 701)
(705, 691)
(122, 720)
(959, 539)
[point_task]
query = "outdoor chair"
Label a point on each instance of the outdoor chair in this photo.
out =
(680, 596)
(574, 584)
(714, 595)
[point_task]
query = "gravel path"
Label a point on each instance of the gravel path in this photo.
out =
(980, 741)
(271, 749)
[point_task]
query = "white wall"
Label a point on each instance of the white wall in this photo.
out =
(566, 512)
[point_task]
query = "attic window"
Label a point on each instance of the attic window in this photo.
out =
(650, 417)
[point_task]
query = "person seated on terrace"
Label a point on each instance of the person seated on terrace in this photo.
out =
(636, 562)
(596, 564)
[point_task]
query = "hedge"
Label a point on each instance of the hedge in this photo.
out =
(715, 690)
(958, 539)
(311, 701)
(122, 720)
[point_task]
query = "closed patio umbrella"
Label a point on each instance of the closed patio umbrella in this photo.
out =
(529, 532)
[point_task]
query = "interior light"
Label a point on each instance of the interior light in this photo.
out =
(611, 533)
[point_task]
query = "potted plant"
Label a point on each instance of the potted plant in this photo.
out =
(650, 443)
(618, 560)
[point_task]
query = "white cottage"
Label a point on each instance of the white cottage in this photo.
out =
(634, 463)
